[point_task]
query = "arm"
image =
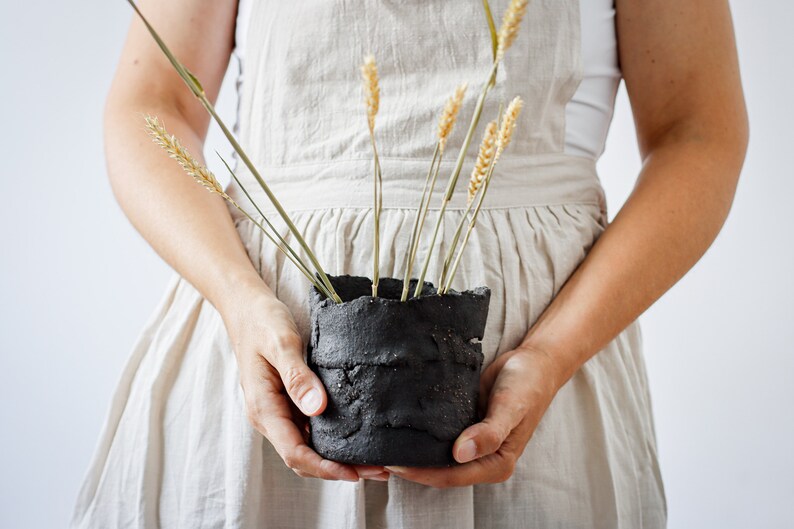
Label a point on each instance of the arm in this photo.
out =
(155, 195)
(681, 72)
(682, 77)
(192, 229)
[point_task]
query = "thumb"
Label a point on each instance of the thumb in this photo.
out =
(302, 384)
(508, 404)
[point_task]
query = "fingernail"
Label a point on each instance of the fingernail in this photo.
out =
(396, 470)
(467, 451)
(380, 478)
(311, 401)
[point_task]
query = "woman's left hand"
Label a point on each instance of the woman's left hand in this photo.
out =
(516, 389)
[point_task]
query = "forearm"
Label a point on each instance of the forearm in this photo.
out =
(679, 204)
(190, 228)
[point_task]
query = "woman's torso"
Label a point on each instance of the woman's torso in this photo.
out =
(588, 113)
(302, 121)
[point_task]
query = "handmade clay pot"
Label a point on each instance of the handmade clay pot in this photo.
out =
(402, 377)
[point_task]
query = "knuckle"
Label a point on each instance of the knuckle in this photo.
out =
(282, 345)
(294, 377)
(326, 471)
(291, 459)
(255, 414)
(289, 341)
(502, 396)
(505, 471)
(257, 424)
(253, 410)
(492, 437)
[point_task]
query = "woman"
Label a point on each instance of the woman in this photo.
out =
(206, 428)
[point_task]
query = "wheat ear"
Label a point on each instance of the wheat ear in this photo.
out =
(369, 75)
(510, 24)
(175, 150)
(450, 114)
(486, 154)
(508, 124)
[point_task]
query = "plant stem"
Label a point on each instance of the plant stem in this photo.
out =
(295, 257)
(298, 235)
(250, 199)
(443, 289)
(491, 27)
(416, 230)
(297, 263)
(281, 244)
(198, 91)
(453, 180)
(451, 250)
(457, 258)
(427, 204)
(378, 204)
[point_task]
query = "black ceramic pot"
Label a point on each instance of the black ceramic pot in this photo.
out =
(402, 377)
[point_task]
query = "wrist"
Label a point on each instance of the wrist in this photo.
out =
(557, 363)
(239, 289)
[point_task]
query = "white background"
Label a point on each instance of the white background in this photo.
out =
(77, 282)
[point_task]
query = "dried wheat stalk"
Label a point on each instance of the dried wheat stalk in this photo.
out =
(450, 115)
(485, 158)
(506, 130)
(176, 151)
(486, 154)
(204, 176)
(198, 91)
(508, 124)
(507, 33)
(369, 75)
(445, 125)
(510, 24)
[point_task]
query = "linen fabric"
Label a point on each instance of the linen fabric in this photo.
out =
(588, 112)
(177, 449)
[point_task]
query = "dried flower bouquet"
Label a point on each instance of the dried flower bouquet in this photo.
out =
(371, 367)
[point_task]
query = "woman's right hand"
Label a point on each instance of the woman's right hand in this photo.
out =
(280, 390)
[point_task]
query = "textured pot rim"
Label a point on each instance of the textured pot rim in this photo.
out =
(480, 291)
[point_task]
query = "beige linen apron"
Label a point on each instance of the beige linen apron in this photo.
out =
(177, 450)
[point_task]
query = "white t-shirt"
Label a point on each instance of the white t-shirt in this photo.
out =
(589, 112)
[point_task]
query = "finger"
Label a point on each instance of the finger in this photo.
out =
(302, 384)
(508, 404)
(494, 468)
(270, 413)
(383, 476)
(369, 471)
(288, 442)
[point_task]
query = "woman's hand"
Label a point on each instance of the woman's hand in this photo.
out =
(280, 390)
(516, 389)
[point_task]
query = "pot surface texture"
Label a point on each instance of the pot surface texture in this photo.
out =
(402, 378)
